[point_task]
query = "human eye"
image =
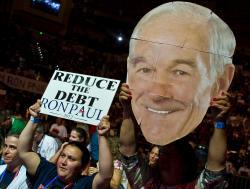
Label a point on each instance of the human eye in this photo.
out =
(70, 158)
(180, 73)
(13, 147)
(63, 155)
(145, 70)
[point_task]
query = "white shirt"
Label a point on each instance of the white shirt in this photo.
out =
(47, 147)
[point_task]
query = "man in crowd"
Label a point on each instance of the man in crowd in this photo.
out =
(43, 144)
(58, 130)
(72, 161)
(13, 173)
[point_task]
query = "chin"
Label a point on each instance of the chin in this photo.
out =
(7, 162)
(62, 176)
(164, 131)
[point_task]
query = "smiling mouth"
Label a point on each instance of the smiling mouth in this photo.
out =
(158, 111)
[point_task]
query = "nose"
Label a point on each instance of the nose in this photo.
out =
(161, 86)
(160, 91)
(64, 160)
(6, 150)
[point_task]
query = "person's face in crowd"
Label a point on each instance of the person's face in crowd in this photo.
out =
(38, 137)
(153, 156)
(69, 163)
(10, 154)
(75, 136)
(230, 167)
(171, 86)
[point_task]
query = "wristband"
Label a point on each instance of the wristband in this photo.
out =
(220, 125)
(35, 119)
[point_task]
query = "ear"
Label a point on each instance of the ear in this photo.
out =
(226, 78)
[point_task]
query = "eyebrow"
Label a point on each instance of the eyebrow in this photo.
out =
(190, 63)
(136, 60)
(10, 146)
(13, 146)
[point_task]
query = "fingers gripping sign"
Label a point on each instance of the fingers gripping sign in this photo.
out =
(221, 106)
(35, 108)
(104, 126)
(125, 95)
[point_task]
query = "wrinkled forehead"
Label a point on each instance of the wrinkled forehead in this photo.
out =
(11, 140)
(169, 30)
(173, 31)
(186, 25)
(141, 50)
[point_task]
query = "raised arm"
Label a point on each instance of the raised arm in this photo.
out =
(127, 131)
(214, 175)
(55, 157)
(218, 142)
(103, 177)
(30, 159)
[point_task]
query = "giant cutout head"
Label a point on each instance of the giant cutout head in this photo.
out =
(180, 57)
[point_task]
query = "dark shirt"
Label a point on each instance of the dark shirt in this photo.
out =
(46, 175)
(6, 178)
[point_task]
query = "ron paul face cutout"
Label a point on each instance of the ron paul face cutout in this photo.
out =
(175, 66)
(171, 89)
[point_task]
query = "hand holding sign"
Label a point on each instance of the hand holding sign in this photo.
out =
(104, 126)
(35, 108)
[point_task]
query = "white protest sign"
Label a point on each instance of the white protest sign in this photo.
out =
(78, 97)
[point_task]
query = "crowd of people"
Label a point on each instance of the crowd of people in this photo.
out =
(53, 152)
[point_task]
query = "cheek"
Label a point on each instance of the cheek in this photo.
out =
(195, 93)
(202, 99)
(131, 79)
(205, 85)
(138, 86)
(4, 150)
(13, 153)
(74, 168)
(58, 161)
(185, 92)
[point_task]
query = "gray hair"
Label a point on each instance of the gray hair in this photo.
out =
(222, 41)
